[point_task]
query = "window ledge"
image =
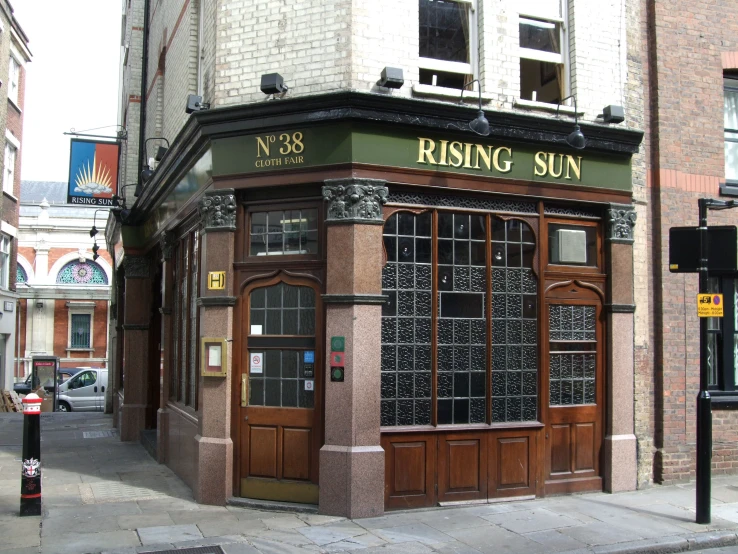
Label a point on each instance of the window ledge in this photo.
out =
(15, 105)
(11, 196)
(546, 107)
(75, 349)
(446, 93)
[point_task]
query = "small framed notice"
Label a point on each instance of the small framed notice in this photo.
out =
(213, 357)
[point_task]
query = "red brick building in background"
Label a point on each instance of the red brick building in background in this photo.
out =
(690, 77)
(14, 56)
(64, 291)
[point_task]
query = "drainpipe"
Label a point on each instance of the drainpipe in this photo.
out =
(144, 79)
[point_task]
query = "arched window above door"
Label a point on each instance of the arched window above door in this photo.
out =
(82, 273)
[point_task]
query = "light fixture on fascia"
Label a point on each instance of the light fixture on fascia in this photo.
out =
(576, 138)
(273, 83)
(480, 125)
(195, 104)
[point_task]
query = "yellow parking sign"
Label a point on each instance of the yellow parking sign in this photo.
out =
(710, 305)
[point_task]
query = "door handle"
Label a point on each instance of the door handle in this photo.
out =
(102, 389)
(95, 388)
(244, 390)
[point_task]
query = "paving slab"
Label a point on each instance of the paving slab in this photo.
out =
(169, 534)
(416, 532)
(76, 543)
(496, 540)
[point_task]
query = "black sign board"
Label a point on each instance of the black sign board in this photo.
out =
(722, 249)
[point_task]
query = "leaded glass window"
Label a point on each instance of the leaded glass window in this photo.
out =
(406, 321)
(20, 275)
(82, 273)
(572, 354)
(286, 375)
(283, 232)
(514, 323)
(462, 335)
(282, 309)
(445, 255)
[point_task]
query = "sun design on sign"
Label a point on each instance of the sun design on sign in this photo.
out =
(94, 180)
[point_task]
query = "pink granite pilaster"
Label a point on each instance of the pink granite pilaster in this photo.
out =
(214, 447)
(620, 457)
(352, 460)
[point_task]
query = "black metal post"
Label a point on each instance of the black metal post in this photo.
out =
(30, 500)
(704, 402)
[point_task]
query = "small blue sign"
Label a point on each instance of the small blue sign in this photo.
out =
(309, 357)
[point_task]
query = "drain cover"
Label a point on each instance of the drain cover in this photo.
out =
(98, 434)
(198, 550)
(114, 492)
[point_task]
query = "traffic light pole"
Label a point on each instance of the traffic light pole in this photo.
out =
(704, 402)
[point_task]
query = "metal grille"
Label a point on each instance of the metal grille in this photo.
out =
(582, 213)
(406, 321)
(449, 201)
(514, 323)
(87, 273)
(462, 327)
(572, 354)
(80, 335)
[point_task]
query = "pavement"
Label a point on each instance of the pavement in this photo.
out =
(103, 495)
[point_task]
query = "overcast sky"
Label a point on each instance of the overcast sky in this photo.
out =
(72, 80)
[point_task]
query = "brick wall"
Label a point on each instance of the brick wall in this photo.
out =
(689, 43)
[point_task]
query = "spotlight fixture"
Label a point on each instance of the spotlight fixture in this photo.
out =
(195, 104)
(480, 125)
(95, 248)
(576, 138)
(273, 83)
(93, 231)
(146, 175)
(160, 153)
(391, 78)
(613, 114)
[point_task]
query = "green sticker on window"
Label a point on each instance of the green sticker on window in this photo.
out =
(338, 344)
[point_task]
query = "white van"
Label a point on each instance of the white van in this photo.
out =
(84, 392)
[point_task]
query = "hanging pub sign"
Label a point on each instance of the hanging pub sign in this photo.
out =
(93, 172)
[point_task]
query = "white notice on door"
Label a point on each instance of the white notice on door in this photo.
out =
(257, 362)
(214, 355)
(309, 385)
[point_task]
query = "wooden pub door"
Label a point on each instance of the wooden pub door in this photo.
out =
(280, 391)
(575, 389)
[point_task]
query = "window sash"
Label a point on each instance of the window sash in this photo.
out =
(462, 68)
(9, 175)
(13, 78)
(80, 332)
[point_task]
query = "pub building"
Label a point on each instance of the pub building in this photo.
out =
(318, 295)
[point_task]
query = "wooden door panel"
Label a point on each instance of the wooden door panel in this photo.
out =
(512, 463)
(462, 467)
(263, 452)
(410, 470)
(584, 446)
(560, 445)
(296, 459)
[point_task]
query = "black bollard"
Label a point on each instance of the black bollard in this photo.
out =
(30, 503)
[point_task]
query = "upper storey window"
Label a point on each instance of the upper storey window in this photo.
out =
(14, 79)
(731, 129)
(543, 50)
(447, 42)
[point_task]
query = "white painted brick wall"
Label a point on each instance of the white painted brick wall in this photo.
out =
(320, 46)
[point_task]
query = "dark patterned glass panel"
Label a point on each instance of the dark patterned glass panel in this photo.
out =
(462, 341)
(514, 323)
(572, 357)
(406, 321)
